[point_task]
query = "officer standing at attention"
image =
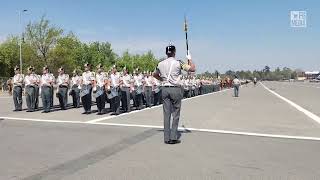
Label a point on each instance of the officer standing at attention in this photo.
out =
(17, 89)
(148, 89)
(138, 89)
(114, 85)
(169, 71)
(125, 90)
(37, 89)
(88, 79)
(99, 89)
(75, 89)
(156, 91)
(46, 88)
(236, 84)
(52, 88)
(30, 80)
(63, 86)
(255, 81)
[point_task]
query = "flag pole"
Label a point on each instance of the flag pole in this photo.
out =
(186, 33)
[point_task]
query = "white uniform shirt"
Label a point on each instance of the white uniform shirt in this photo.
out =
(198, 82)
(53, 78)
(63, 79)
(170, 71)
(18, 79)
(186, 82)
(75, 80)
(236, 81)
(194, 82)
(100, 78)
(138, 80)
(148, 81)
(87, 77)
(126, 80)
(47, 79)
(30, 79)
(115, 80)
(156, 82)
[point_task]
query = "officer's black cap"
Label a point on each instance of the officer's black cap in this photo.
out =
(99, 66)
(170, 49)
(16, 68)
(30, 68)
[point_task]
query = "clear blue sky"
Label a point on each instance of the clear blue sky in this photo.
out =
(224, 34)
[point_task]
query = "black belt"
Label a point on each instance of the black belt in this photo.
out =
(172, 86)
(63, 86)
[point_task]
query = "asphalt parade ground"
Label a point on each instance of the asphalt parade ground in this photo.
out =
(272, 131)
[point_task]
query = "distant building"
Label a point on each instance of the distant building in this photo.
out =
(312, 74)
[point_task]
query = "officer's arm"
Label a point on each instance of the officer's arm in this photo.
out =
(156, 75)
(190, 67)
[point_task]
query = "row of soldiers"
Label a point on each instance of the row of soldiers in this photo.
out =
(106, 87)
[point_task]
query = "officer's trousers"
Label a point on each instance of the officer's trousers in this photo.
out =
(75, 93)
(187, 93)
(17, 97)
(87, 99)
(101, 100)
(125, 99)
(148, 94)
(51, 96)
(138, 100)
(172, 97)
(36, 88)
(156, 98)
(115, 105)
(63, 96)
(236, 90)
(46, 97)
(30, 97)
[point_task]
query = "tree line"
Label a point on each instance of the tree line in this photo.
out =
(264, 74)
(44, 44)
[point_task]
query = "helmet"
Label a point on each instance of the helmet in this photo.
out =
(16, 68)
(61, 69)
(170, 49)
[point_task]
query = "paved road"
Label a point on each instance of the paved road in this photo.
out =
(256, 136)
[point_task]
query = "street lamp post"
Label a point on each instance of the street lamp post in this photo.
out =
(20, 44)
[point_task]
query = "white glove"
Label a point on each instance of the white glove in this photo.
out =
(188, 55)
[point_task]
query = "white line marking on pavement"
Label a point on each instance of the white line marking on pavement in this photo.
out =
(136, 111)
(299, 108)
(42, 120)
(180, 128)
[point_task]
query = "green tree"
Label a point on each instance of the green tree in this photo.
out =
(9, 56)
(66, 53)
(43, 37)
